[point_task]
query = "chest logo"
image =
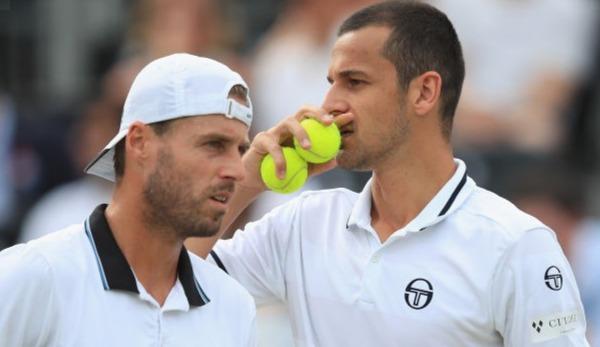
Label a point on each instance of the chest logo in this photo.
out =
(418, 293)
(553, 278)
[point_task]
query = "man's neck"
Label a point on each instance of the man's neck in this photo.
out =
(401, 191)
(152, 254)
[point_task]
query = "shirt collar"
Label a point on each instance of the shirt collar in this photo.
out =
(449, 198)
(116, 272)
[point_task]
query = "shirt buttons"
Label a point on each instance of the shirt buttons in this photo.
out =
(375, 258)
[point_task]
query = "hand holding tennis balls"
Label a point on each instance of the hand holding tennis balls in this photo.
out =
(296, 172)
(325, 141)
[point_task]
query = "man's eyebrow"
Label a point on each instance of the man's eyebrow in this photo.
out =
(213, 137)
(348, 74)
(220, 137)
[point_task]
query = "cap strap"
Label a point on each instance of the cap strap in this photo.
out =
(239, 112)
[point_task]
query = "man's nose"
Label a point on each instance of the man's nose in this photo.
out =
(233, 168)
(334, 103)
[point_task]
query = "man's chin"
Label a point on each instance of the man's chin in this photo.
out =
(201, 233)
(205, 229)
(352, 164)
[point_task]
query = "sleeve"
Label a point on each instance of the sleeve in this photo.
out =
(535, 299)
(256, 256)
(28, 309)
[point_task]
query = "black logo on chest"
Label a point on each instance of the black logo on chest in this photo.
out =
(553, 278)
(418, 293)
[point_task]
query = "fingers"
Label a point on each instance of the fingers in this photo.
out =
(317, 113)
(343, 119)
(268, 143)
(325, 118)
(271, 141)
(289, 129)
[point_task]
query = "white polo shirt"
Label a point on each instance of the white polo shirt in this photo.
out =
(75, 288)
(470, 270)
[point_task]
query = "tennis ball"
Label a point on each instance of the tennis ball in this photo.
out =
(325, 141)
(295, 174)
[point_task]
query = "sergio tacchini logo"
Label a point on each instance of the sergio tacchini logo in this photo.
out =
(553, 278)
(418, 293)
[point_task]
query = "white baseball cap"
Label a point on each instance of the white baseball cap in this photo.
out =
(176, 86)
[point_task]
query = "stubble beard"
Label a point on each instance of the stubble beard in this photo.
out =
(171, 206)
(365, 157)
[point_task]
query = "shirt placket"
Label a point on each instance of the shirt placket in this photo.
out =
(372, 270)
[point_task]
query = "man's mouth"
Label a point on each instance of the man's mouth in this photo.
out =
(222, 198)
(346, 131)
(223, 194)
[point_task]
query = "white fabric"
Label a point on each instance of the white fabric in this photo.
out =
(182, 85)
(485, 260)
(52, 295)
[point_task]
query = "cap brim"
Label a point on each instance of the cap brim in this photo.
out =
(102, 165)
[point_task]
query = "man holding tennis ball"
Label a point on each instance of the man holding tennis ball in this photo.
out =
(325, 143)
(422, 256)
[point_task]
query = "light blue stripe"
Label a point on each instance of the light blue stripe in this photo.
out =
(202, 294)
(100, 268)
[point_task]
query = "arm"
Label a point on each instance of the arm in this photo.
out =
(268, 142)
(535, 299)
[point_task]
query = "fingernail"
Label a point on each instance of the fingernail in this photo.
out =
(306, 143)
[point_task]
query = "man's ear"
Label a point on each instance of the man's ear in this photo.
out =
(425, 92)
(138, 143)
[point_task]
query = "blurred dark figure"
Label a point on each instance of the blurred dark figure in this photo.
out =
(71, 202)
(33, 160)
(584, 142)
(7, 191)
(555, 193)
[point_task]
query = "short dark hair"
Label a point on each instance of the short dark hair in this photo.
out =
(238, 91)
(422, 39)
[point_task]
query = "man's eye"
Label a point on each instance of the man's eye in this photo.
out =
(216, 145)
(354, 82)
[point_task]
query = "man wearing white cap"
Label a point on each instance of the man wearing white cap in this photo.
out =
(123, 277)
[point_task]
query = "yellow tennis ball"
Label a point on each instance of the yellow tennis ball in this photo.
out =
(295, 174)
(325, 141)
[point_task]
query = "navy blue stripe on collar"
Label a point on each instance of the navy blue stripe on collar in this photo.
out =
(116, 272)
(191, 287)
(457, 190)
(218, 261)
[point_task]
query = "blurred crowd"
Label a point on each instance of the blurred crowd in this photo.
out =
(527, 125)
